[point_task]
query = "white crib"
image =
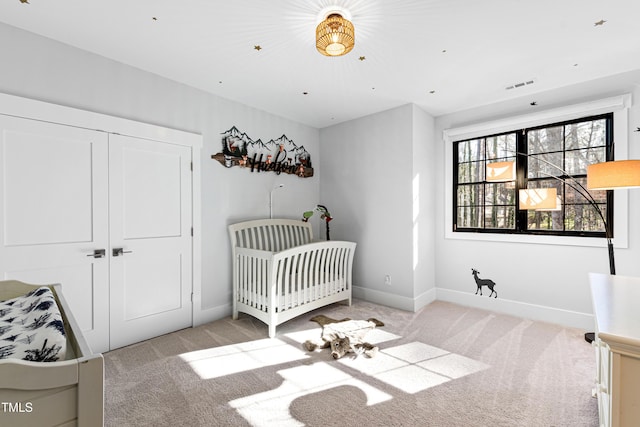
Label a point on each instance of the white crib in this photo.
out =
(279, 274)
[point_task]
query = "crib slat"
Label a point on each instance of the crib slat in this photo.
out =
(285, 237)
(270, 239)
(282, 292)
(289, 288)
(254, 300)
(341, 267)
(333, 258)
(241, 279)
(253, 240)
(304, 282)
(264, 287)
(320, 272)
(309, 272)
(296, 279)
(256, 289)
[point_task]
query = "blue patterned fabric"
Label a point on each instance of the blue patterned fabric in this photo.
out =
(31, 328)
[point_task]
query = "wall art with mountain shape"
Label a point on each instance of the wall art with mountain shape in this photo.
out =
(280, 155)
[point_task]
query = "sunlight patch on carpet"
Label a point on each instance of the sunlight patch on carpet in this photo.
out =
(415, 366)
(231, 359)
(453, 365)
(411, 368)
(272, 407)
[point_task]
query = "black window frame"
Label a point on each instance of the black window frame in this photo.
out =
(521, 181)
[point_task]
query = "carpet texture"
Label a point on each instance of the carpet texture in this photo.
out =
(446, 365)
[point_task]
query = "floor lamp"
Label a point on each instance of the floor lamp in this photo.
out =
(619, 174)
(546, 199)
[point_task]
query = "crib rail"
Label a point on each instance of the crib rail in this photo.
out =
(270, 234)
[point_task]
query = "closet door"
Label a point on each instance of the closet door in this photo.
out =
(151, 243)
(54, 215)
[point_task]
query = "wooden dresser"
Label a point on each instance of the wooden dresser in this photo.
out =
(616, 306)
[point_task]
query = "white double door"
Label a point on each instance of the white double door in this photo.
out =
(107, 216)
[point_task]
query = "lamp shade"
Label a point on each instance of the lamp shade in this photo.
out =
(501, 171)
(615, 174)
(538, 199)
(557, 207)
(335, 36)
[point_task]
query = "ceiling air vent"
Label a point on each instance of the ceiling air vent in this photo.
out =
(521, 84)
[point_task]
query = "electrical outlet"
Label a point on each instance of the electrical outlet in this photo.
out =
(387, 280)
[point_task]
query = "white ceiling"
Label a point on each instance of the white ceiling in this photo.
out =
(443, 55)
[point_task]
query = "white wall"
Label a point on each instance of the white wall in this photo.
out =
(368, 167)
(543, 281)
(423, 208)
(39, 68)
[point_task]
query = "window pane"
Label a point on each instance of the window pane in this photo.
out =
(471, 172)
(470, 195)
(546, 183)
(586, 134)
(501, 193)
(545, 165)
(500, 217)
(574, 192)
(470, 150)
(469, 217)
(544, 220)
(584, 218)
(576, 161)
(501, 146)
(545, 140)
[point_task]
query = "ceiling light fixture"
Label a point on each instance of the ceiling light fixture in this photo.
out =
(335, 35)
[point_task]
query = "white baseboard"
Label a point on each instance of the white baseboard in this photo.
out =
(393, 300)
(542, 313)
(572, 319)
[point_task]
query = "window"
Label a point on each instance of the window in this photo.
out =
(550, 156)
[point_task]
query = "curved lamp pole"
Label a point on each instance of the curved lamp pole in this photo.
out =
(580, 189)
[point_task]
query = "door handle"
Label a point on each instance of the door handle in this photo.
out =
(98, 253)
(120, 251)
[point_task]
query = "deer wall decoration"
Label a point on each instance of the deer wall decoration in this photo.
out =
(483, 282)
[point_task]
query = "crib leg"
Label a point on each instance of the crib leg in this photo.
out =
(272, 331)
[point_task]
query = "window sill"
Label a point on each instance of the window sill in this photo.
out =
(595, 242)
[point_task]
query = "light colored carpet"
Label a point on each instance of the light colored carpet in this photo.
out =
(446, 365)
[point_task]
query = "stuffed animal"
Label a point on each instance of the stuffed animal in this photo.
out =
(344, 336)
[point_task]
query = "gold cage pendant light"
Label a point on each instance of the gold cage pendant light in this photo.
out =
(335, 36)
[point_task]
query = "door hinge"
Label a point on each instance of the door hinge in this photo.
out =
(191, 166)
(191, 296)
(191, 231)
